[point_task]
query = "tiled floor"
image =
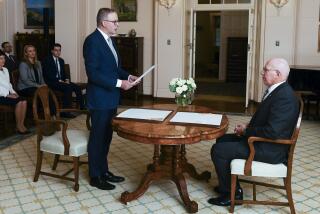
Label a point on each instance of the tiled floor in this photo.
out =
(20, 195)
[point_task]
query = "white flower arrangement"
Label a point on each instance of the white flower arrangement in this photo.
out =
(182, 86)
(183, 90)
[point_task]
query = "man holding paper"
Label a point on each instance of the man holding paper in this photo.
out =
(105, 78)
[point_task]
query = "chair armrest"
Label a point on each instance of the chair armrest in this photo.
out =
(253, 139)
(88, 124)
(261, 139)
(43, 131)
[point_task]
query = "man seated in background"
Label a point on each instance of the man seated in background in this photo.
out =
(275, 118)
(55, 77)
(11, 61)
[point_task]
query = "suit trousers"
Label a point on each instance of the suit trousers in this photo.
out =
(67, 90)
(99, 141)
(227, 148)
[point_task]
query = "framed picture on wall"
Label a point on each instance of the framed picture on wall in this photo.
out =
(36, 11)
(126, 9)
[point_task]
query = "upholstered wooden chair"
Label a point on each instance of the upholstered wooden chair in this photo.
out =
(54, 136)
(250, 168)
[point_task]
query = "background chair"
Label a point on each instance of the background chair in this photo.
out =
(252, 168)
(54, 136)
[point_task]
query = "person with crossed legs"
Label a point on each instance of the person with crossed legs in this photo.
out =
(275, 118)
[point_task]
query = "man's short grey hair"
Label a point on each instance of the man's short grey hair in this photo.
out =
(103, 14)
(282, 66)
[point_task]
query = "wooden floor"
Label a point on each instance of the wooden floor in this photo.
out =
(227, 104)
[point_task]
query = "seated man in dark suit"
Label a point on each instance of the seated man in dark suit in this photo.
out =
(11, 61)
(54, 76)
(275, 118)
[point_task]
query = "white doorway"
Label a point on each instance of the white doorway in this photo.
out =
(223, 22)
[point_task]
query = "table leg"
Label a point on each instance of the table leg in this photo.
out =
(144, 185)
(190, 169)
(180, 181)
(168, 165)
(153, 173)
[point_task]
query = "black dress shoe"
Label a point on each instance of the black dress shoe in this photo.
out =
(101, 183)
(113, 178)
(67, 115)
(224, 200)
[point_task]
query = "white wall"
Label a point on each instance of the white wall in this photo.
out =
(280, 27)
(307, 33)
(168, 57)
(144, 28)
(295, 28)
(3, 21)
(66, 33)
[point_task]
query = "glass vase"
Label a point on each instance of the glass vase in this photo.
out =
(184, 99)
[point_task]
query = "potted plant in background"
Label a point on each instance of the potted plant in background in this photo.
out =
(183, 89)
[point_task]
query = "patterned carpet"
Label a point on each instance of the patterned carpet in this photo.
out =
(49, 195)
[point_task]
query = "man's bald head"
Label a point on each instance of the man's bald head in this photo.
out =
(281, 65)
(276, 70)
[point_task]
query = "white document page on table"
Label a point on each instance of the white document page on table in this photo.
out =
(197, 118)
(144, 114)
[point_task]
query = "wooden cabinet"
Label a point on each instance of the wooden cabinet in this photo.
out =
(237, 59)
(36, 39)
(131, 55)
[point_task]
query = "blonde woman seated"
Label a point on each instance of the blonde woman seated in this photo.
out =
(30, 72)
(9, 97)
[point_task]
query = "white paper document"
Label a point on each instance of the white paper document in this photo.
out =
(197, 118)
(144, 114)
(145, 73)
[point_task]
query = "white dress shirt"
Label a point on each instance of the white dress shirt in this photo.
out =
(272, 88)
(5, 85)
(56, 62)
(106, 37)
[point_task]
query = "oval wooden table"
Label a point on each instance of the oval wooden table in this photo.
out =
(169, 140)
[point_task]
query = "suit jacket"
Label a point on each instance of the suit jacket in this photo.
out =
(50, 71)
(275, 118)
(103, 72)
(27, 78)
(11, 65)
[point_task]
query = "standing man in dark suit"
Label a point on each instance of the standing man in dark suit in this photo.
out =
(54, 75)
(11, 61)
(105, 78)
(275, 118)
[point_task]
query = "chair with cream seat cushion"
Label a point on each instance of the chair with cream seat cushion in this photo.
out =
(54, 136)
(250, 168)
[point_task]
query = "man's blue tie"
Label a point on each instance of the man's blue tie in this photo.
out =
(265, 94)
(58, 72)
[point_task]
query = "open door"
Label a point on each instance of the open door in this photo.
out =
(250, 52)
(190, 42)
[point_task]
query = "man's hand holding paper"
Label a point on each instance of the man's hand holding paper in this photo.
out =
(144, 74)
(132, 79)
